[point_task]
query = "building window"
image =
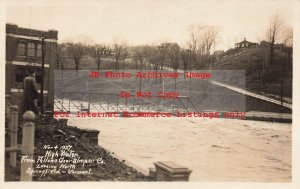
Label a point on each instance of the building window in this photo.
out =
(31, 49)
(39, 50)
(38, 79)
(19, 75)
(21, 48)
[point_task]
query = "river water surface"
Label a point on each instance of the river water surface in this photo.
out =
(214, 149)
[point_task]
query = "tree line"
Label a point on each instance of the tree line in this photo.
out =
(197, 53)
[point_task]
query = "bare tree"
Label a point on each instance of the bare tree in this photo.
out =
(173, 53)
(120, 48)
(210, 36)
(61, 55)
(124, 56)
(97, 52)
(194, 34)
(156, 58)
(141, 53)
(76, 48)
(273, 33)
(186, 59)
(202, 38)
(288, 46)
(152, 57)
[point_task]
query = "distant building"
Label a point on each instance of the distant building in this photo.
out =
(105, 51)
(164, 46)
(245, 44)
(23, 52)
(264, 43)
(279, 46)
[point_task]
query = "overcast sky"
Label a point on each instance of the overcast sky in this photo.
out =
(143, 21)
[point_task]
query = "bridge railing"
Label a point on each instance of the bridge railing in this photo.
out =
(77, 101)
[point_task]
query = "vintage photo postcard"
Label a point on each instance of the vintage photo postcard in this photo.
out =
(150, 93)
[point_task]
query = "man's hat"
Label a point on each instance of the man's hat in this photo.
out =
(31, 71)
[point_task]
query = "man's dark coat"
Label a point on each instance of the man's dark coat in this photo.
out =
(30, 93)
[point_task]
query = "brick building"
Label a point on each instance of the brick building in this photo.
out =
(23, 52)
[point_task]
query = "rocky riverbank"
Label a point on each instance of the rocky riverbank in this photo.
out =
(54, 135)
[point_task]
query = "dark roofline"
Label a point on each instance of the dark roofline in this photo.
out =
(14, 29)
(246, 41)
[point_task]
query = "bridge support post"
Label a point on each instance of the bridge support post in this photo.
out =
(13, 134)
(27, 144)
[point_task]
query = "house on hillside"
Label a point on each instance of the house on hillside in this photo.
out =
(245, 44)
(279, 46)
(264, 43)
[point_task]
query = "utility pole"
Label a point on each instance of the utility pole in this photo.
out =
(98, 54)
(191, 59)
(281, 95)
(42, 77)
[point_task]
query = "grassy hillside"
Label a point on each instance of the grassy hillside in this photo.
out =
(204, 95)
(260, 76)
(253, 63)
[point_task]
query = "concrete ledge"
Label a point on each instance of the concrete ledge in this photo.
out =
(170, 171)
(269, 116)
(92, 135)
(265, 116)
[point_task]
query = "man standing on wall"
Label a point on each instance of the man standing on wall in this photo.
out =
(30, 93)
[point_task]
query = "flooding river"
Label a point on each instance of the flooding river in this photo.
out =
(214, 149)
